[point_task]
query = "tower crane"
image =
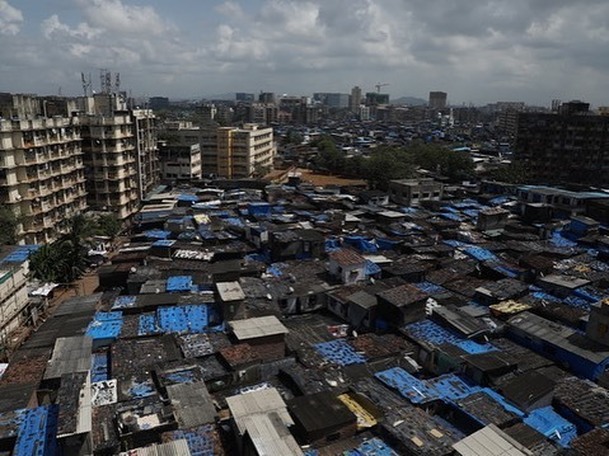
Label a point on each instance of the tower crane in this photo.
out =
(379, 85)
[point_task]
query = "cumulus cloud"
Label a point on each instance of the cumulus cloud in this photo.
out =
(477, 50)
(10, 19)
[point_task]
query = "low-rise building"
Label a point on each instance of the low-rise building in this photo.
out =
(410, 192)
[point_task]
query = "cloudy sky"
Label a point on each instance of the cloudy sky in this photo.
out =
(479, 51)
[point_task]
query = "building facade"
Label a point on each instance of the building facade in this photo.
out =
(42, 175)
(232, 152)
(437, 100)
(13, 295)
(180, 151)
(355, 100)
(571, 146)
(146, 143)
(111, 163)
(410, 192)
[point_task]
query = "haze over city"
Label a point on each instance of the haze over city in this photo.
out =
(477, 51)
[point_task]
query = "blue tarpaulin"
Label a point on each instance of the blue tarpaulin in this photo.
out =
(361, 244)
(339, 352)
(372, 447)
(259, 209)
(549, 423)
(480, 254)
(105, 327)
(99, 367)
(179, 283)
(430, 288)
(188, 198)
(37, 432)
(386, 244)
(432, 333)
(20, 254)
(157, 234)
(372, 269)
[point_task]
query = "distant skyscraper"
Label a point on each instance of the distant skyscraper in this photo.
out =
(241, 96)
(356, 99)
(158, 102)
(267, 97)
(437, 100)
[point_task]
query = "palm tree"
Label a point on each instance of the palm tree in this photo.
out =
(49, 263)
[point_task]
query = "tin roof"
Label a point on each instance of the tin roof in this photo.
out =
(257, 327)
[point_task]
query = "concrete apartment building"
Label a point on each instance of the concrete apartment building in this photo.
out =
(146, 142)
(232, 152)
(180, 151)
(437, 100)
(355, 100)
(42, 176)
(121, 155)
(14, 269)
(571, 146)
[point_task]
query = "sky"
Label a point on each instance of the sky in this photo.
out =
(479, 51)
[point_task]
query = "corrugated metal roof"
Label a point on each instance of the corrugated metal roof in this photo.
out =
(257, 403)
(175, 448)
(192, 404)
(230, 291)
(490, 440)
(257, 327)
(71, 354)
(270, 436)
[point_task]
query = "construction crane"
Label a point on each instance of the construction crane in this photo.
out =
(379, 85)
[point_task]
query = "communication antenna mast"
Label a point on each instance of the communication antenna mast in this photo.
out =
(117, 83)
(86, 84)
(105, 77)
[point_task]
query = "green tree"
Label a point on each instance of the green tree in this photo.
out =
(63, 260)
(452, 164)
(386, 164)
(50, 263)
(514, 173)
(108, 225)
(8, 226)
(329, 158)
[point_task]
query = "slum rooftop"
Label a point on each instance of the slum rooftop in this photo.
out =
(296, 320)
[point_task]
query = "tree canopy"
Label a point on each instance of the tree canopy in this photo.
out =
(387, 163)
(8, 226)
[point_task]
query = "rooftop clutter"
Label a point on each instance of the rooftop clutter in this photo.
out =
(289, 320)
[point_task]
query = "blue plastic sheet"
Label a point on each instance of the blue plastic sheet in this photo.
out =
(549, 423)
(179, 283)
(432, 333)
(340, 352)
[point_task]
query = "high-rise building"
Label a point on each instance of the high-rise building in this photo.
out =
(267, 97)
(375, 99)
(247, 97)
(332, 100)
(356, 99)
(180, 151)
(232, 152)
(120, 153)
(42, 178)
(158, 103)
(146, 142)
(571, 146)
(437, 100)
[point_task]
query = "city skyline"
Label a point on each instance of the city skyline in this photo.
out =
(478, 53)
